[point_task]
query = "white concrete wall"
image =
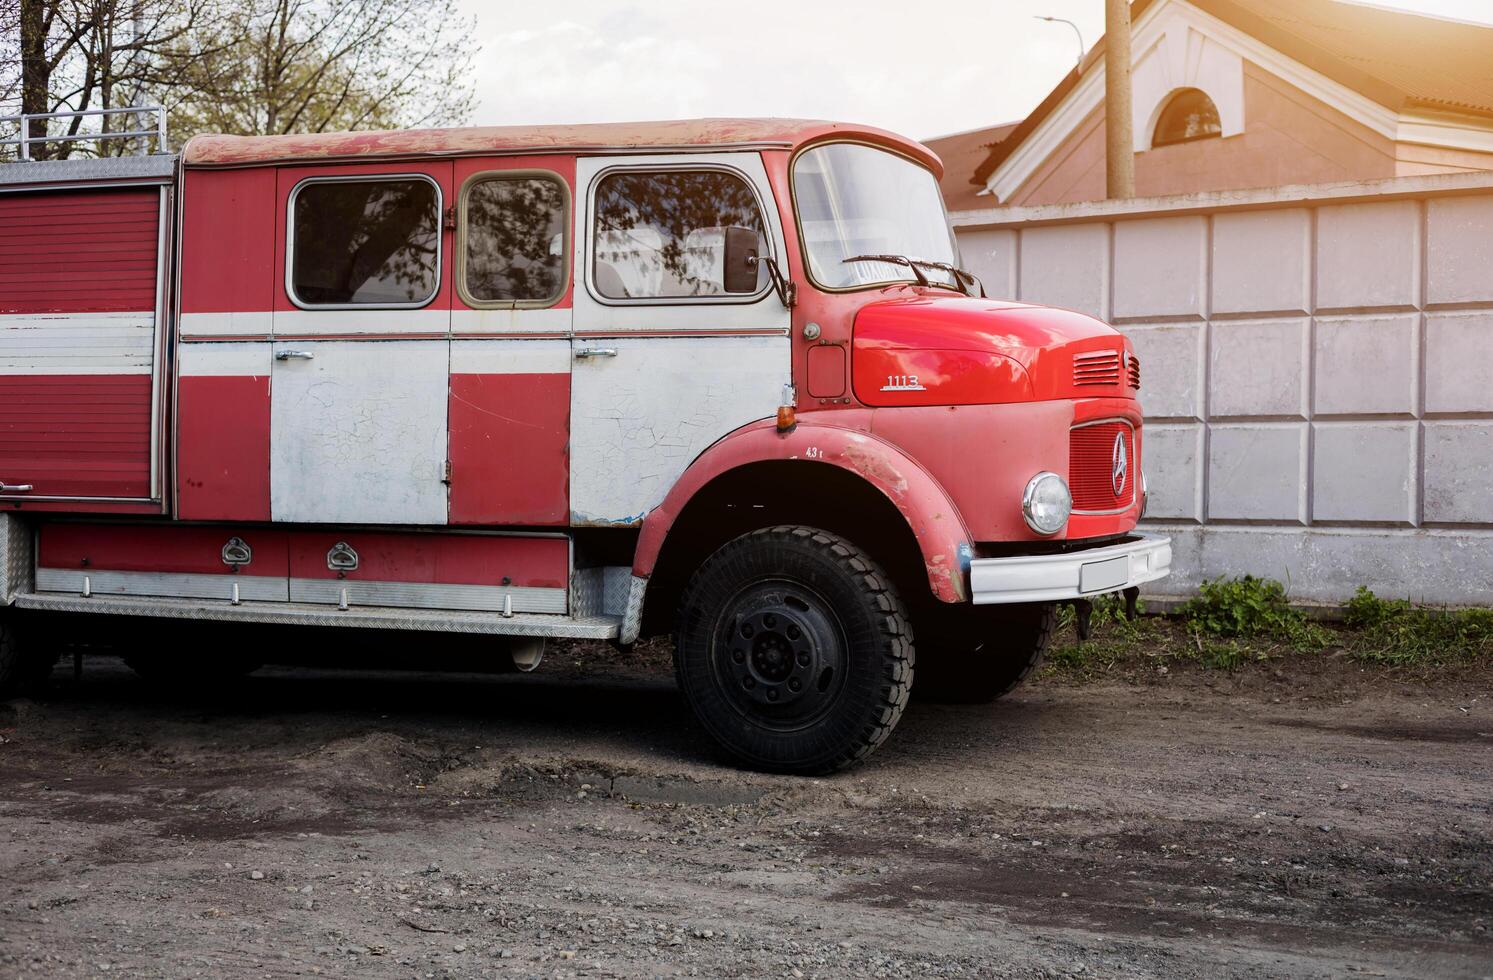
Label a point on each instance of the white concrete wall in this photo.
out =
(1317, 372)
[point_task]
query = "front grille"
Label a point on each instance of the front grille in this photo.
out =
(1100, 367)
(1135, 372)
(1091, 467)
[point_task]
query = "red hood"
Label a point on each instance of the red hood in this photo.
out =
(975, 351)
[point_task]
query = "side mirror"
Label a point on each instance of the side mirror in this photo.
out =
(739, 263)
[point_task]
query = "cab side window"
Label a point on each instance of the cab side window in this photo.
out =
(662, 234)
(513, 249)
(364, 242)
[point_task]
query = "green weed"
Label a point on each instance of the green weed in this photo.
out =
(1396, 632)
(1252, 608)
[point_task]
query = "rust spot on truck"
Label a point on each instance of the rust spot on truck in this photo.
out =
(944, 578)
(213, 150)
(876, 468)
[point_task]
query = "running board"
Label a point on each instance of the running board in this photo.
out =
(596, 627)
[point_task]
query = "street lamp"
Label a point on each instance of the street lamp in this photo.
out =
(1076, 32)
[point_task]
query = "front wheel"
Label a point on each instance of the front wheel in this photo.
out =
(794, 651)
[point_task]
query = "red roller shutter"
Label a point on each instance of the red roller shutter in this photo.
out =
(77, 341)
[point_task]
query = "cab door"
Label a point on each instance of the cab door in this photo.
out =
(666, 360)
(358, 404)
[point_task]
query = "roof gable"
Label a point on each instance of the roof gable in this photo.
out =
(1377, 65)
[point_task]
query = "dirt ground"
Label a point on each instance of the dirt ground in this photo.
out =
(1302, 820)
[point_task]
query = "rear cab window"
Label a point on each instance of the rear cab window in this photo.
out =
(364, 242)
(659, 235)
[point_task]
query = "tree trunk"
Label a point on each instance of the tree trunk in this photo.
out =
(36, 73)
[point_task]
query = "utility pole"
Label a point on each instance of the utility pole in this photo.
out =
(1119, 143)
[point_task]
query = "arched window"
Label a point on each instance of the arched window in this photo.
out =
(1189, 115)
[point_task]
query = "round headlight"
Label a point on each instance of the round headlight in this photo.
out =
(1046, 503)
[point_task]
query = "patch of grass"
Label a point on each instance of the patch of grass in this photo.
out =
(1247, 607)
(1398, 633)
(1236, 622)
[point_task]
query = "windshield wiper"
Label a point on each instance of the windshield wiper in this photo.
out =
(965, 280)
(893, 260)
(962, 280)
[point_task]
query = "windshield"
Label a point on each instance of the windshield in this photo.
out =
(857, 200)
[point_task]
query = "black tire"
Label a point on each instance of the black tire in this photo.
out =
(794, 651)
(976, 654)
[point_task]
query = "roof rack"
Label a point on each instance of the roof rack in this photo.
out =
(24, 140)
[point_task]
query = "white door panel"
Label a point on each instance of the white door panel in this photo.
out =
(358, 432)
(639, 418)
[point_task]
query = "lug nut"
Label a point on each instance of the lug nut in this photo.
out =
(746, 630)
(769, 621)
(803, 658)
(748, 683)
(772, 694)
(794, 632)
(737, 656)
(794, 685)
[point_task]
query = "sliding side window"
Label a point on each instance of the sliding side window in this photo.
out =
(512, 251)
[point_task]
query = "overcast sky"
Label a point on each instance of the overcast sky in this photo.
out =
(917, 67)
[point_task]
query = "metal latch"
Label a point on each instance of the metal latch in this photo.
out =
(15, 487)
(588, 352)
(449, 219)
(342, 557)
(297, 355)
(237, 553)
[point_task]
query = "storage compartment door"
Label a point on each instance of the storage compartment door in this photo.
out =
(358, 431)
(79, 348)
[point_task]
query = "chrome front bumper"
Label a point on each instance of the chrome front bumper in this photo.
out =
(1139, 559)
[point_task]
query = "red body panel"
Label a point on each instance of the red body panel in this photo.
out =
(87, 251)
(510, 449)
(76, 435)
(826, 371)
(223, 448)
(451, 559)
(158, 548)
(228, 241)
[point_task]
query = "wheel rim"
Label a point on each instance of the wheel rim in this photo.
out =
(779, 655)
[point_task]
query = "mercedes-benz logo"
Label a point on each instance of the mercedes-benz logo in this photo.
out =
(1119, 465)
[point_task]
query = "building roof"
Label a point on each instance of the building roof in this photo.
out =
(1398, 59)
(961, 153)
(234, 151)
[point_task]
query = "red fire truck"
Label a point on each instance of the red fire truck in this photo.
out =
(722, 379)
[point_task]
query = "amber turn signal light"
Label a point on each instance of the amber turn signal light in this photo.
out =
(787, 412)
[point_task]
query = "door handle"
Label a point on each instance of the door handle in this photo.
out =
(588, 352)
(299, 355)
(15, 487)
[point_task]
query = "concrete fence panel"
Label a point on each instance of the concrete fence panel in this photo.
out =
(1318, 371)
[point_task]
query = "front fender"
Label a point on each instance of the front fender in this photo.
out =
(930, 513)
